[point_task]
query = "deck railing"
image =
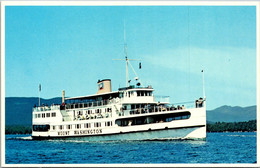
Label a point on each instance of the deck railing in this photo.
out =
(75, 105)
(91, 104)
(163, 108)
(92, 116)
(162, 99)
(46, 108)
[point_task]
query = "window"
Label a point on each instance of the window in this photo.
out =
(138, 93)
(80, 112)
(39, 115)
(186, 117)
(53, 114)
(125, 108)
(35, 115)
(108, 124)
(142, 93)
(87, 125)
(121, 95)
(78, 126)
(53, 127)
(48, 114)
(98, 124)
(41, 128)
(68, 126)
(43, 115)
(61, 127)
(177, 118)
(152, 119)
(169, 119)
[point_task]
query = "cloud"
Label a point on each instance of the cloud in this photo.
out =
(226, 64)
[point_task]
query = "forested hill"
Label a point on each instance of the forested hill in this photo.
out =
(19, 111)
(232, 114)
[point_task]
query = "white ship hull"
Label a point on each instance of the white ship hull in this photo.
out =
(192, 128)
(187, 133)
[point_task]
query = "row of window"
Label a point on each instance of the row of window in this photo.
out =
(153, 119)
(79, 126)
(43, 115)
(41, 128)
(144, 93)
(135, 106)
(138, 93)
(97, 111)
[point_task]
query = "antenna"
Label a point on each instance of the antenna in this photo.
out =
(128, 61)
(125, 47)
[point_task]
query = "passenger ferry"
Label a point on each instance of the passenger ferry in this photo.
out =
(130, 113)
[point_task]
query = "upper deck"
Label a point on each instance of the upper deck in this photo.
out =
(53, 107)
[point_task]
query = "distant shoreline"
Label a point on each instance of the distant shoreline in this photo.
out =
(246, 126)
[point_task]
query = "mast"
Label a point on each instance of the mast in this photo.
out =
(128, 62)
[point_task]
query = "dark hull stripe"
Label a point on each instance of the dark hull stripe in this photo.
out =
(62, 137)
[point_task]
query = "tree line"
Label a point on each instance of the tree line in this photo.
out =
(18, 129)
(247, 126)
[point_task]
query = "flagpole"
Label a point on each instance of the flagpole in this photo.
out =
(39, 95)
(203, 85)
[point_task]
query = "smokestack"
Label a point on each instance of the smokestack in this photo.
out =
(104, 86)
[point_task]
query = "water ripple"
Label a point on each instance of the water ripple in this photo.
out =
(218, 148)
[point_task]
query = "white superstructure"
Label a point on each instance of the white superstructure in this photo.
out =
(131, 113)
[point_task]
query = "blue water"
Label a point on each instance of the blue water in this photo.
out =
(218, 148)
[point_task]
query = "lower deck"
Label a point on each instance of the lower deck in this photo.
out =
(178, 119)
(189, 132)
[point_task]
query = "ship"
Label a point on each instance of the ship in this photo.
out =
(132, 112)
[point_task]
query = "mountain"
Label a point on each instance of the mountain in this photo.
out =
(18, 111)
(231, 114)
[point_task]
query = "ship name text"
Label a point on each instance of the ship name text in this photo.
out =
(87, 132)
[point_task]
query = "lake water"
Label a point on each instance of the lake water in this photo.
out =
(218, 148)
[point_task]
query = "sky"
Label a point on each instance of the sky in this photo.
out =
(71, 48)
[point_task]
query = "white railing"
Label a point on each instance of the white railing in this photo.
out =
(46, 108)
(92, 116)
(92, 104)
(163, 108)
(162, 99)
